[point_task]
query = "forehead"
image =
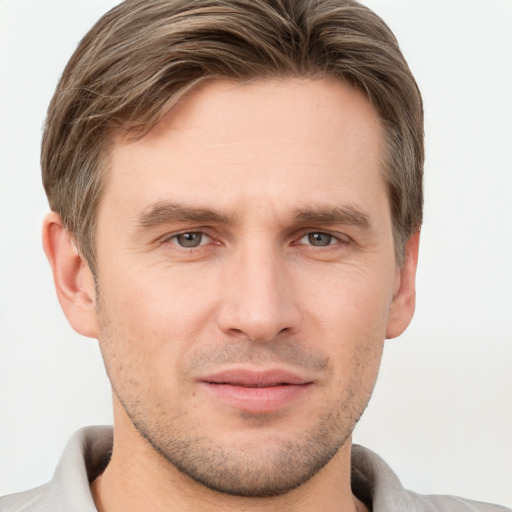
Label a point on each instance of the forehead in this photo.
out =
(227, 141)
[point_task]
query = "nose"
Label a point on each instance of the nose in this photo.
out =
(258, 299)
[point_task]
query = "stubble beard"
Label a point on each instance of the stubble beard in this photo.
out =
(245, 470)
(238, 469)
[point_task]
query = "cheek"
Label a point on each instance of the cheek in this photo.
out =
(158, 300)
(348, 318)
(349, 300)
(150, 323)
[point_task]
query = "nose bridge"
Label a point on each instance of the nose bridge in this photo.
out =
(257, 297)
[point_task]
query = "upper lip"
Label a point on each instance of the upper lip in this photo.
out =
(255, 378)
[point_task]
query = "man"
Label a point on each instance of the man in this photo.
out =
(236, 202)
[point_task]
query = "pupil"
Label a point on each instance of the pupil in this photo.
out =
(319, 239)
(189, 239)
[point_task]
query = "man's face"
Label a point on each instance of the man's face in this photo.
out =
(246, 276)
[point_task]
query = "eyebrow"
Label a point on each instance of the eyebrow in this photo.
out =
(350, 215)
(167, 213)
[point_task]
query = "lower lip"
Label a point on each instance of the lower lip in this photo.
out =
(257, 400)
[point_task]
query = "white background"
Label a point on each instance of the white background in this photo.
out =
(442, 412)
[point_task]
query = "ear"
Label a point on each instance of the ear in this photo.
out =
(73, 279)
(404, 299)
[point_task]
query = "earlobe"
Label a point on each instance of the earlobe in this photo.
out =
(73, 279)
(404, 300)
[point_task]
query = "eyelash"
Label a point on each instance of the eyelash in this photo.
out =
(177, 235)
(337, 239)
(311, 234)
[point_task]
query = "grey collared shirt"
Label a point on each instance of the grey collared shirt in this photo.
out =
(88, 451)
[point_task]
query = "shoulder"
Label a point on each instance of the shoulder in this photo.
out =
(373, 481)
(39, 499)
(84, 457)
(452, 504)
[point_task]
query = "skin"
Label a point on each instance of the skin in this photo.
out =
(295, 270)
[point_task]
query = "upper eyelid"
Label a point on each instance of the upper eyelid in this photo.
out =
(296, 236)
(172, 238)
(335, 234)
(169, 236)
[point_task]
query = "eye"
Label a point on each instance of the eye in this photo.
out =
(318, 239)
(190, 239)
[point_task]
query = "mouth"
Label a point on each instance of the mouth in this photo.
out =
(256, 392)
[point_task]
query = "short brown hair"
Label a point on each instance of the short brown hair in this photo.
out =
(143, 55)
